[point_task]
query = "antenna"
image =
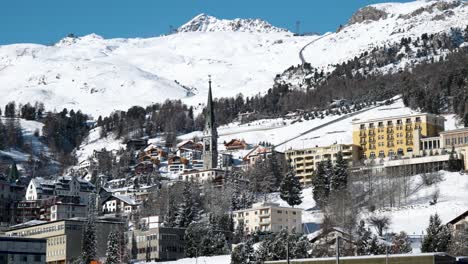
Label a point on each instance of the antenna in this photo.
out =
(298, 25)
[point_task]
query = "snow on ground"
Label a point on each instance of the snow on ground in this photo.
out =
(223, 259)
(414, 218)
(94, 142)
(28, 128)
(277, 131)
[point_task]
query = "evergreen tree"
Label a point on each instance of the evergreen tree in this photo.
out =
(89, 242)
(437, 236)
(453, 164)
(134, 249)
(465, 119)
(243, 253)
(148, 252)
(339, 179)
(321, 185)
(188, 210)
(401, 243)
(239, 233)
(172, 213)
(376, 247)
(363, 237)
(13, 173)
(291, 190)
(2, 135)
(113, 251)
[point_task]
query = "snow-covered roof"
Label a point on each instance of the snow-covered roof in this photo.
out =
(124, 198)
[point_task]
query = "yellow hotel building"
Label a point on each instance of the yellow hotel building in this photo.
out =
(395, 136)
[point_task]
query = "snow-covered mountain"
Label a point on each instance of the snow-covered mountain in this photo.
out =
(206, 23)
(100, 75)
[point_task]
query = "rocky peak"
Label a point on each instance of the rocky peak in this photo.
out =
(206, 23)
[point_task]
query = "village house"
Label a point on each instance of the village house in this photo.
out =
(203, 176)
(117, 203)
(259, 153)
(40, 188)
(460, 223)
(235, 144)
(190, 150)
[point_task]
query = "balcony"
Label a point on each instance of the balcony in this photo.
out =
(264, 222)
(389, 130)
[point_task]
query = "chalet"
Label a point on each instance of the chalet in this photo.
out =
(460, 223)
(119, 204)
(144, 167)
(136, 144)
(155, 151)
(177, 164)
(236, 144)
(259, 153)
(190, 150)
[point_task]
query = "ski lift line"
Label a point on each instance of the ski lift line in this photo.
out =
(329, 123)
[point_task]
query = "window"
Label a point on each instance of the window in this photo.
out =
(280, 212)
(381, 154)
(363, 126)
(372, 155)
(418, 119)
(380, 124)
(371, 125)
(400, 152)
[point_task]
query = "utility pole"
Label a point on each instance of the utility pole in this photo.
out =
(287, 251)
(337, 249)
(298, 25)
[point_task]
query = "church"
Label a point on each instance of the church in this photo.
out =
(212, 169)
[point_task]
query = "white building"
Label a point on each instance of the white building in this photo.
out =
(119, 204)
(202, 176)
(40, 188)
(269, 217)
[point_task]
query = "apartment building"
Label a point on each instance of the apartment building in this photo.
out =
(64, 237)
(269, 217)
(16, 250)
(161, 243)
(305, 161)
(395, 136)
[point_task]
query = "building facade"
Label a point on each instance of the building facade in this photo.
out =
(18, 250)
(395, 136)
(269, 217)
(305, 161)
(64, 237)
(161, 243)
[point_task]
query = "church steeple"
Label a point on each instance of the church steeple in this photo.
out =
(209, 116)
(210, 134)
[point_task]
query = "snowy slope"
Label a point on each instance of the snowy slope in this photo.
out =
(335, 128)
(28, 128)
(98, 75)
(224, 259)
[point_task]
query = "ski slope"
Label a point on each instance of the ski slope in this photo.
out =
(99, 75)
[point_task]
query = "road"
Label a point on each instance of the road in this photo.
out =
(301, 52)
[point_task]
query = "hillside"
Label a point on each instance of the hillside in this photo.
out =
(100, 75)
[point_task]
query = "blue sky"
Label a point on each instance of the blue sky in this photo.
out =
(46, 21)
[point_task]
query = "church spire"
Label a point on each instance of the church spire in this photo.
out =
(209, 116)
(210, 135)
